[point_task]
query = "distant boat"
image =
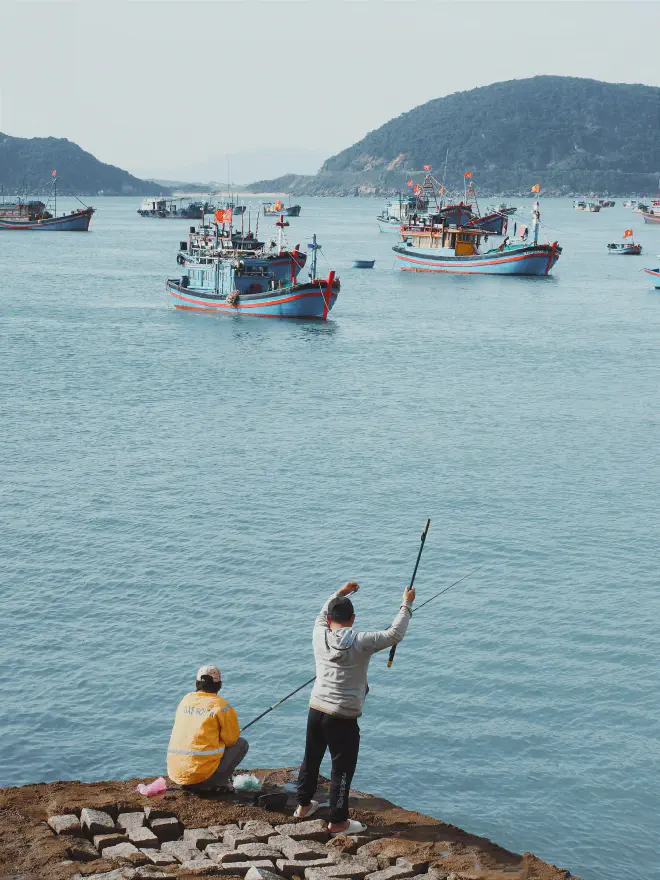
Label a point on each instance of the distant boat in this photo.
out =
(579, 205)
(656, 276)
(363, 264)
(651, 216)
(592, 207)
(33, 215)
(606, 203)
(174, 209)
(272, 209)
(625, 250)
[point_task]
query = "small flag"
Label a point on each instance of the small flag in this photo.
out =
(223, 216)
(417, 189)
(627, 233)
(536, 188)
(54, 174)
(410, 183)
(467, 175)
(427, 168)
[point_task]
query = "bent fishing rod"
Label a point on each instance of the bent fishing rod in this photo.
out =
(298, 689)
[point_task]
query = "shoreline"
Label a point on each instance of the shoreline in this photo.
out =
(399, 844)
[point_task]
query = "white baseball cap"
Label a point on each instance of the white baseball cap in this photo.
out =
(212, 671)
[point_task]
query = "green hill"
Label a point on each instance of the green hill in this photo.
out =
(27, 164)
(568, 134)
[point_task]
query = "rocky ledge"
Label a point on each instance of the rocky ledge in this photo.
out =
(108, 831)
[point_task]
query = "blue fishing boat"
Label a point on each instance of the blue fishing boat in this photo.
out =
(174, 209)
(436, 246)
(274, 209)
(655, 273)
(34, 215)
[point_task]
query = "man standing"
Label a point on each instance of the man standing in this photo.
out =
(205, 746)
(342, 659)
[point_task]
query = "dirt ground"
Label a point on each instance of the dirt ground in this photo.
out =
(29, 850)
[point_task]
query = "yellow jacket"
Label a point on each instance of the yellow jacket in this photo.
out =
(204, 724)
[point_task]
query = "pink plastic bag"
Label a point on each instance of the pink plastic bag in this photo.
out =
(158, 786)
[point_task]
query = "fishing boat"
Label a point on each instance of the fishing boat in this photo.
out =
(579, 205)
(364, 264)
(221, 286)
(652, 215)
(35, 215)
(606, 203)
(436, 246)
(397, 212)
(503, 209)
(630, 203)
(655, 273)
(625, 250)
(273, 209)
(592, 207)
(174, 209)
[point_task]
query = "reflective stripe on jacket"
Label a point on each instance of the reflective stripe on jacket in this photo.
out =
(204, 724)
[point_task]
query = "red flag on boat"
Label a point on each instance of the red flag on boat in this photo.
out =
(54, 174)
(467, 174)
(417, 189)
(410, 183)
(536, 188)
(427, 168)
(223, 216)
(627, 233)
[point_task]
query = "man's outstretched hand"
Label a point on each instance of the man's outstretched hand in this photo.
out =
(409, 594)
(348, 588)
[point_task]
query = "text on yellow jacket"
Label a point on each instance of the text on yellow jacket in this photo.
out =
(204, 724)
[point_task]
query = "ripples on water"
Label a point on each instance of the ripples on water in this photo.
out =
(182, 488)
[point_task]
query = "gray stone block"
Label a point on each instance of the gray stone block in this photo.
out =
(148, 871)
(96, 822)
(261, 874)
(67, 824)
(288, 867)
(371, 863)
(144, 838)
(157, 813)
(259, 851)
(182, 852)
(131, 820)
(223, 854)
(219, 830)
(124, 851)
(199, 837)
(166, 828)
(395, 872)
(82, 851)
(296, 849)
(233, 838)
(417, 865)
(240, 869)
(157, 857)
(101, 841)
(260, 830)
(313, 829)
(353, 871)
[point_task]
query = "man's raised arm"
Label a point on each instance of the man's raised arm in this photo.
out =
(378, 641)
(322, 617)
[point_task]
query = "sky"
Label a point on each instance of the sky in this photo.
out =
(172, 88)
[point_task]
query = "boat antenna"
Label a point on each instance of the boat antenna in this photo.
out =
(314, 247)
(281, 223)
(444, 175)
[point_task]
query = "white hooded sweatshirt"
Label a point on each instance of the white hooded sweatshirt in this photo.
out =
(342, 659)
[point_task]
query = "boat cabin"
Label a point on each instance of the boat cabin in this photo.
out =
(432, 234)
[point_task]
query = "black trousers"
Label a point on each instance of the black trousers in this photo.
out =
(342, 737)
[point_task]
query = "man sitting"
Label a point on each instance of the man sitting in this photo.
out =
(205, 747)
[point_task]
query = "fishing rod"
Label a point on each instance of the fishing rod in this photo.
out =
(390, 659)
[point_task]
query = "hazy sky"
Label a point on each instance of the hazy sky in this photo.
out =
(169, 87)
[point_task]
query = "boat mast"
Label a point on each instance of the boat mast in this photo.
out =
(314, 247)
(536, 219)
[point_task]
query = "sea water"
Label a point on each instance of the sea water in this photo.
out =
(180, 489)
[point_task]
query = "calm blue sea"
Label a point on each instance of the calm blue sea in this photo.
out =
(179, 489)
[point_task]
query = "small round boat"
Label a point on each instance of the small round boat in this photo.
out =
(363, 264)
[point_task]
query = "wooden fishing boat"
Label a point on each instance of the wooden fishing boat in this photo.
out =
(624, 250)
(655, 273)
(398, 212)
(440, 247)
(174, 209)
(23, 219)
(276, 208)
(651, 216)
(363, 264)
(592, 207)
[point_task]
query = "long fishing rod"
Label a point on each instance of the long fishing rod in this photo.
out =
(279, 703)
(390, 659)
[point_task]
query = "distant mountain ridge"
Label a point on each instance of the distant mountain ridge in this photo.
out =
(27, 164)
(566, 133)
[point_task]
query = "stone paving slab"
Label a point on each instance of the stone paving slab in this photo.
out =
(157, 813)
(296, 849)
(371, 863)
(124, 851)
(66, 824)
(143, 838)
(199, 837)
(233, 838)
(259, 851)
(183, 852)
(223, 854)
(240, 869)
(219, 830)
(313, 829)
(131, 820)
(341, 870)
(158, 857)
(261, 874)
(101, 841)
(260, 830)
(289, 868)
(166, 828)
(96, 821)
